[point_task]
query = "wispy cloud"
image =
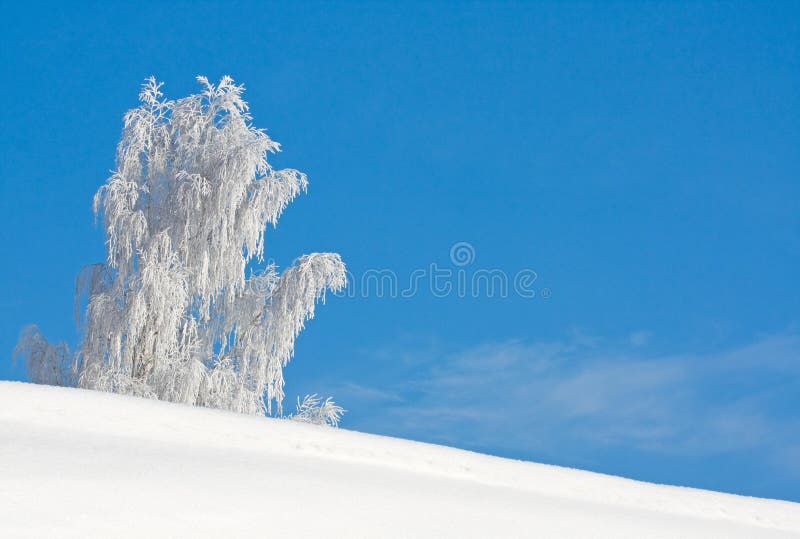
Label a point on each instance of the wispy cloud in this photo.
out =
(370, 393)
(640, 338)
(542, 396)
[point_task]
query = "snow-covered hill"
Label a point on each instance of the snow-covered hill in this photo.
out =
(76, 463)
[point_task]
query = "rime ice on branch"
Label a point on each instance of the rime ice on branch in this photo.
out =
(172, 314)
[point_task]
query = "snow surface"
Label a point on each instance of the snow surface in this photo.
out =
(76, 463)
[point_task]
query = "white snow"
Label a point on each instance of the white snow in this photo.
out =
(76, 463)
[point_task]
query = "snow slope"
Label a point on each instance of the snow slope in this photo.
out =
(75, 463)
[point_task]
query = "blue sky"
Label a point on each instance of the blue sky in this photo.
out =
(641, 158)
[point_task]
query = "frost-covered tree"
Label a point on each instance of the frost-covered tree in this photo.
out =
(318, 412)
(178, 312)
(47, 363)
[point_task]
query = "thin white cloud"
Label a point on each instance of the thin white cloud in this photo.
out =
(370, 393)
(542, 396)
(640, 338)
